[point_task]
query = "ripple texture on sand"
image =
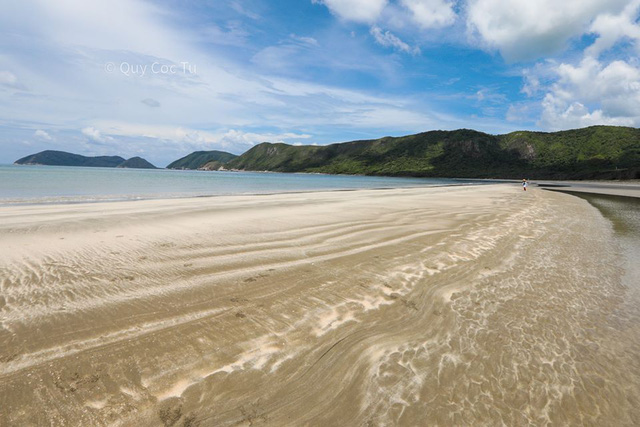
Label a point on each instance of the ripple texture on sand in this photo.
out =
(441, 306)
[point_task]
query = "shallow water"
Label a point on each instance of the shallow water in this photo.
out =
(624, 214)
(56, 184)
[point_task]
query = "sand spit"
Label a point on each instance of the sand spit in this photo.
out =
(440, 306)
(613, 188)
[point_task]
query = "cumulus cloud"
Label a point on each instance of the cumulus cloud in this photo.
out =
(525, 29)
(598, 88)
(366, 11)
(95, 134)
(431, 13)
(42, 135)
(388, 39)
(593, 93)
(611, 28)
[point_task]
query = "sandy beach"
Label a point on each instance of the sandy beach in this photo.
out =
(469, 305)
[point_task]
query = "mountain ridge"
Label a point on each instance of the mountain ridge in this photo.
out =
(596, 152)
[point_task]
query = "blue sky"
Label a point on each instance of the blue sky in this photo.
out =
(160, 79)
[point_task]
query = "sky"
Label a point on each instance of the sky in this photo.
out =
(160, 79)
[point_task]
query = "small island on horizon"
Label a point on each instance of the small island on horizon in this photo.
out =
(62, 158)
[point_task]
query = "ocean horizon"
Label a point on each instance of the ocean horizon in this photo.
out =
(39, 184)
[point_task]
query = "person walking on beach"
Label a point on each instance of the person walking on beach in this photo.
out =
(525, 184)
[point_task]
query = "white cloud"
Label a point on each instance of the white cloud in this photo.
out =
(367, 11)
(431, 13)
(526, 29)
(533, 78)
(427, 14)
(95, 134)
(576, 115)
(388, 39)
(233, 139)
(490, 95)
(593, 93)
(611, 28)
(594, 90)
(77, 22)
(42, 135)
(287, 52)
(239, 138)
(304, 40)
(521, 113)
(235, 5)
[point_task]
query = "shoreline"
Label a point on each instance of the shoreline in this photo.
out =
(600, 187)
(204, 196)
(621, 190)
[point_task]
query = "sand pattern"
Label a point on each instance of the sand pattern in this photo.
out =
(440, 306)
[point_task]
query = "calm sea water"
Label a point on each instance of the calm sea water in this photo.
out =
(59, 184)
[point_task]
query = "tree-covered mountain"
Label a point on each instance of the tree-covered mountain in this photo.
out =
(198, 159)
(136, 163)
(61, 158)
(597, 152)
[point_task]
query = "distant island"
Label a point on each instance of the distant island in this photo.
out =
(136, 163)
(597, 152)
(204, 160)
(61, 158)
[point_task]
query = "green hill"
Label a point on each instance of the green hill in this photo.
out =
(199, 159)
(136, 163)
(61, 158)
(598, 152)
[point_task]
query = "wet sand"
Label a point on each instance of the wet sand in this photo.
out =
(610, 188)
(441, 306)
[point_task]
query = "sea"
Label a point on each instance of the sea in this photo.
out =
(30, 184)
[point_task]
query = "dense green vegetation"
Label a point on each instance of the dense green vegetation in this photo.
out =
(136, 163)
(199, 159)
(61, 158)
(598, 152)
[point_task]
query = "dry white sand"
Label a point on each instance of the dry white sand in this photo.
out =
(439, 306)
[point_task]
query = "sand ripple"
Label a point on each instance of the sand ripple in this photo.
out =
(441, 306)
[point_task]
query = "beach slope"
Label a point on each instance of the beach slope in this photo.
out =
(469, 305)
